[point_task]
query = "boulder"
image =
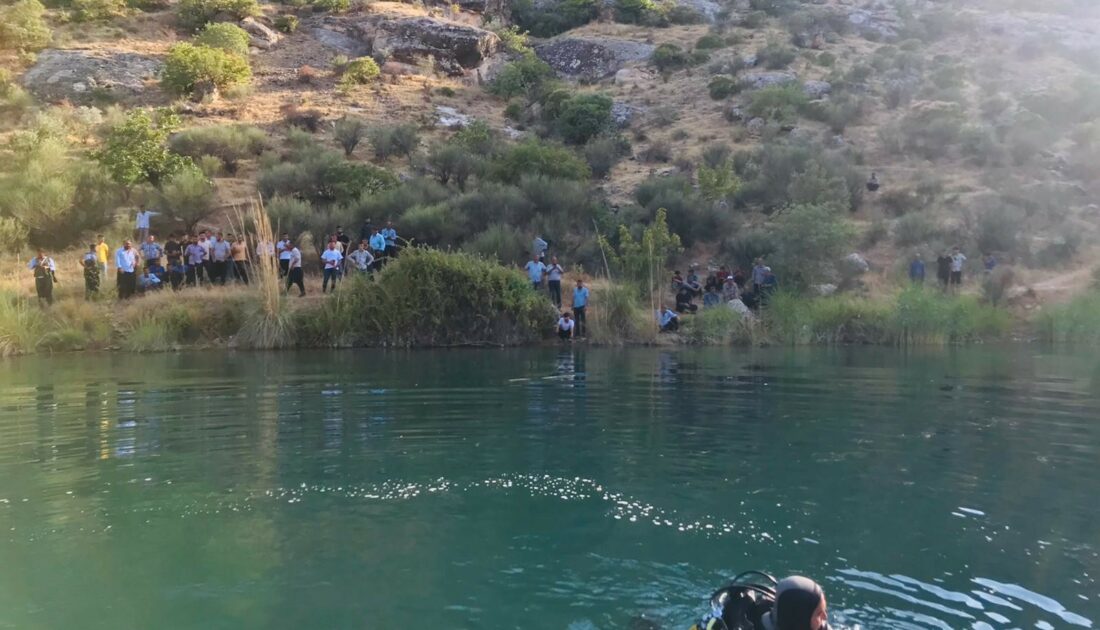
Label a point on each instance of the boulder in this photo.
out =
(75, 75)
(451, 118)
(817, 89)
(259, 34)
(759, 80)
(591, 59)
(633, 77)
(756, 125)
(455, 47)
(876, 25)
(824, 290)
(739, 307)
(622, 114)
(855, 264)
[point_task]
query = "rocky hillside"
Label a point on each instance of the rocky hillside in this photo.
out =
(979, 120)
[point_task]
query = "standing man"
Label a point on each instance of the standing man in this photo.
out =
(206, 242)
(150, 251)
(331, 259)
(44, 276)
(759, 269)
(220, 255)
(580, 306)
(916, 270)
(90, 263)
(536, 269)
(173, 250)
(362, 258)
(378, 248)
(102, 252)
(390, 234)
(195, 255)
(143, 217)
(294, 269)
(239, 252)
(958, 259)
(943, 270)
(539, 247)
(126, 259)
(284, 254)
(553, 274)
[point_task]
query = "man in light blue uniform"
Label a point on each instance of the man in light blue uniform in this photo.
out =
(536, 269)
(378, 247)
(580, 306)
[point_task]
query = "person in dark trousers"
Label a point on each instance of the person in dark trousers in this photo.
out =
(758, 275)
(284, 254)
(195, 258)
(294, 270)
(126, 259)
(332, 260)
(553, 280)
(580, 306)
(90, 263)
(44, 276)
(667, 319)
(565, 327)
(377, 244)
(390, 234)
(943, 270)
(177, 271)
(684, 299)
(916, 270)
(173, 250)
(958, 260)
(222, 258)
(238, 251)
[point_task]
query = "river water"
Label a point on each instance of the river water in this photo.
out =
(955, 488)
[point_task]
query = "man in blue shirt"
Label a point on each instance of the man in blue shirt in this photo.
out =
(378, 248)
(150, 250)
(916, 270)
(668, 320)
(390, 234)
(536, 269)
(580, 304)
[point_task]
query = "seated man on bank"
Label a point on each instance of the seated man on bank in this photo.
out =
(711, 298)
(148, 281)
(668, 320)
(684, 299)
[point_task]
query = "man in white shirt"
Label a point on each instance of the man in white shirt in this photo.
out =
(294, 268)
(331, 259)
(565, 327)
(126, 258)
(284, 254)
(958, 259)
(553, 280)
(142, 223)
(362, 258)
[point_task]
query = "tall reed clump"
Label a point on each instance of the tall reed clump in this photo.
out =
(1077, 321)
(269, 322)
(22, 325)
(620, 317)
(721, 326)
(165, 320)
(428, 297)
(912, 317)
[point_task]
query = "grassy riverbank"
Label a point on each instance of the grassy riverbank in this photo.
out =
(433, 298)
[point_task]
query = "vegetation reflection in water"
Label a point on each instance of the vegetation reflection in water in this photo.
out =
(572, 489)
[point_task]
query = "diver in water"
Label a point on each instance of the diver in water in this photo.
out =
(795, 603)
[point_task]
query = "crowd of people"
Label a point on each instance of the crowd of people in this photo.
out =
(212, 258)
(733, 288)
(949, 268)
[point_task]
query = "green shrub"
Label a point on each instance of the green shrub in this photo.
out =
(670, 57)
(94, 10)
(521, 77)
(780, 103)
(826, 59)
(335, 6)
(187, 198)
(682, 14)
(224, 36)
(503, 243)
(413, 302)
(837, 112)
(693, 218)
(23, 27)
(754, 20)
(809, 239)
(719, 326)
(322, 176)
(710, 41)
(1076, 321)
(452, 162)
(932, 128)
(722, 87)
(583, 117)
(287, 23)
(349, 132)
(135, 150)
(915, 229)
(550, 20)
(645, 12)
(436, 225)
(190, 68)
(228, 143)
(359, 71)
(776, 55)
(192, 15)
(604, 152)
(533, 157)
(398, 140)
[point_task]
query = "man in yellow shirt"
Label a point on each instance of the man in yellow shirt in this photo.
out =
(102, 250)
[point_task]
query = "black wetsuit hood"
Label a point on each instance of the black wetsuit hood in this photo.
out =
(796, 599)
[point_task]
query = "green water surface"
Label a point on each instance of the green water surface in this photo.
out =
(569, 489)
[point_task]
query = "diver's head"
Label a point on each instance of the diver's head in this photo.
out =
(800, 605)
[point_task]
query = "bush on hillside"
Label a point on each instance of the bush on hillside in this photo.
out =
(224, 36)
(583, 117)
(722, 87)
(533, 157)
(436, 225)
(693, 218)
(503, 243)
(287, 23)
(135, 151)
(451, 162)
(228, 143)
(361, 71)
(191, 69)
(187, 198)
(349, 132)
(670, 57)
(549, 20)
(916, 229)
(809, 240)
(604, 152)
(779, 103)
(710, 41)
(192, 15)
(96, 10)
(521, 77)
(335, 6)
(776, 55)
(413, 302)
(838, 112)
(397, 140)
(322, 176)
(774, 7)
(930, 129)
(23, 27)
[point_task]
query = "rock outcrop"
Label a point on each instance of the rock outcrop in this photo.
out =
(454, 47)
(259, 34)
(78, 75)
(817, 89)
(759, 80)
(591, 59)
